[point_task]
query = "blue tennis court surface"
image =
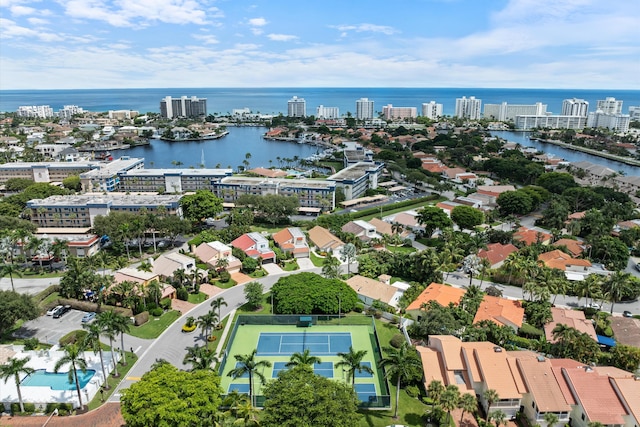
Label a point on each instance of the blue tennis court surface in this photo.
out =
(364, 374)
(324, 369)
(277, 367)
(366, 392)
(240, 388)
(318, 343)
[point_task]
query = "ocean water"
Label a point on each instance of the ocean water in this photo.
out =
(274, 100)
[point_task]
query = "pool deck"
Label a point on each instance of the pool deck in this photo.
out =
(41, 395)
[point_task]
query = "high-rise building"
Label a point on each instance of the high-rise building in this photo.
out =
(364, 109)
(609, 105)
(431, 110)
(68, 111)
(390, 112)
(297, 107)
(575, 107)
(504, 112)
(616, 122)
(634, 112)
(468, 108)
(39, 111)
(323, 112)
(171, 108)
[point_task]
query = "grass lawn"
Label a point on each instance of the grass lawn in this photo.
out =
(197, 298)
(398, 210)
(258, 273)
(155, 326)
(48, 300)
(338, 166)
(291, 266)
(400, 249)
(44, 274)
(111, 380)
(316, 260)
(225, 285)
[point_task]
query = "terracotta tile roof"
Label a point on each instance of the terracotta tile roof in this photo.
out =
(133, 275)
(407, 219)
(561, 260)
(574, 246)
(373, 289)
(433, 167)
(269, 173)
(497, 252)
(449, 366)
(541, 383)
(494, 190)
(577, 215)
(382, 227)
(282, 236)
(573, 319)
(497, 373)
(432, 365)
(629, 389)
(442, 294)
(243, 242)
(501, 311)
(452, 172)
(166, 264)
(324, 239)
(353, 227)
(529, 236)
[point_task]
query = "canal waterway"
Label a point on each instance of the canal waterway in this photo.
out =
(229, 151)
(572, 156)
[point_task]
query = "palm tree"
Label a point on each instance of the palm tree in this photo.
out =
(330, 267)
(490, 396)
(304, 358)
(450, 399)
(14, 368)
(105, 321)
(206, 322)
(352, 361)
(92, 341)
(499, 417)
(10, 270)
(73, 357)
(218, 303)
(550, 418)
(400, 362)
(616, 287)
(564, 336)
(200, 358)
(121, 325)
(589, 287)
(468, 403)
(349, 253)
(248, 365)
(435, 390)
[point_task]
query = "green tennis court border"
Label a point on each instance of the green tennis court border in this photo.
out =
(246, 332)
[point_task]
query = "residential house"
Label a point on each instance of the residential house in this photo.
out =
(254, 245)
(502, 311)
(442, 294)
(324, 240)
(361, 229)
(529, 236)
(292, 240)
(576, 247)
(574, 268)
(571, 318)
(167, 264)
(371, 290)
(144, 279)
(211, 253)
(494, 190)
(408, 219)
(497, 253)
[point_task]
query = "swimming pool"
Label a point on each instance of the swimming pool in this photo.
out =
(59, 381)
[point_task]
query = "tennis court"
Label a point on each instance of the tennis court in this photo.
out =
(318, 343)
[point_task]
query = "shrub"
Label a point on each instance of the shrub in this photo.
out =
(31, 343)
(412, 390)
(358, 308)
(522, 342)
(157, 312)
(165, 303)
(141, 318)
(182, 294)
(530, 331)
(396, 340)
(72, 337)
(29, 408)
(63, 408)
(225, 276)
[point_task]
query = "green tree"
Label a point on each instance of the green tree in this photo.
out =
(616, 286)
(166, 396)
(556, 182)
(217, 304)
(467, 217)
(10, 270)
(330, 267)
(253, 292)
(207, 322)
(14, 306)
(514, 202)
(398, 363)
(432, 219)
(610, 251)
(14, 368)
(306, 293)
(203, 204)
(468, 403)
(349, 253)
(74, 357)
(352, 362)
(550, 418)
(247, 364)
(490, 396)
(304, 358)
(499, 417)
(92, 341)
(72, 183)
(435, 390)
(200, 358)
(106, 321)
(450, 399)
(298, 397)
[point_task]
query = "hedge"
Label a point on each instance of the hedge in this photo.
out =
(530, 331)
(63, 408)
(392, 206)
(29, 408)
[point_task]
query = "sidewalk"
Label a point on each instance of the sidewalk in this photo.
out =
(227, 328)
(107, 415)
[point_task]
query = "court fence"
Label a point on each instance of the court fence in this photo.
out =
(381, 402)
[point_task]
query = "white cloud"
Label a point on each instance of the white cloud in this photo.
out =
(258, 22)
(369, 28)
(37, 22)
(282, 37)
(22, 10)
(206, 38)
(11, 29)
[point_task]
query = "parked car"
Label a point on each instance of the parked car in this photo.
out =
(627, 313)
(53, 310)
(61, 311)
(88, 318)
(593, 305)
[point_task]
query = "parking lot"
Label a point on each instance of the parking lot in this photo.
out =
(50, 330)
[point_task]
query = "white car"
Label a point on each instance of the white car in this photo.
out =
(53, 310)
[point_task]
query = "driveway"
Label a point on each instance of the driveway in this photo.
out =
(305, 264)
(272, 268)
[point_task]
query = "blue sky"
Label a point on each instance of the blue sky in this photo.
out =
(67, 44)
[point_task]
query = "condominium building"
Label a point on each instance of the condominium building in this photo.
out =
(44, 171)
(81, 210)
(171, 180)
(575, 107)
(106, 176)
(358, 178)
(171, 108)
(297, 107)
(390, 112)
(614, 121)
(68, 111)
(527, 122)
(323, 112)
(364, 109)
(123, 114)
(468, 108)
(35, 111)
(505, 112)
(310, 192)
(431, 110)
(609, 105)
(634, 112)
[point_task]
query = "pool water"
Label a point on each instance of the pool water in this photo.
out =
(59, 381)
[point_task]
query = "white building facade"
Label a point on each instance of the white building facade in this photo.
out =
(575, 107)
(296, 107)
(431, 110)
(364, 109)
(505, 112)
(323, 112)
(468, 108)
